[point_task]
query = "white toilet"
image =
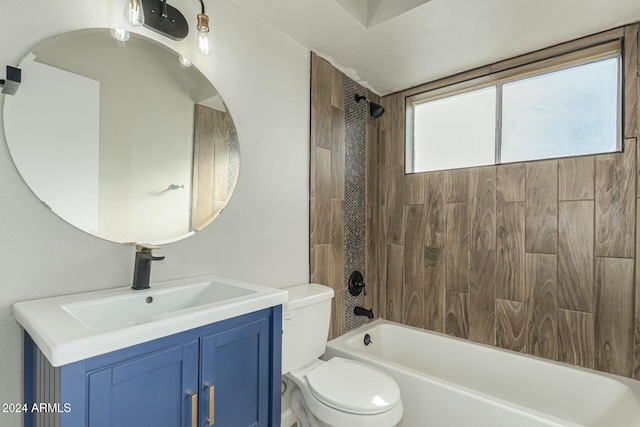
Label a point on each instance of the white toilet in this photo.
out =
(338, 392)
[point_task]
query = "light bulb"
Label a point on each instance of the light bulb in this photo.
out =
(134, 13)
(120, 34)
(203, 43)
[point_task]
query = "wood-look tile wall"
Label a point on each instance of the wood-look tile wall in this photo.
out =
(327, 184)
(536, 257)
(327, 187)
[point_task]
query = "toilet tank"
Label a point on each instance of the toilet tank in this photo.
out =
(305, 325)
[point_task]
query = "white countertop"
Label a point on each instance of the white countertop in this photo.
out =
(75, 327)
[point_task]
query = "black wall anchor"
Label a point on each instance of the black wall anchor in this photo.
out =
(12, 83)
(356, 284)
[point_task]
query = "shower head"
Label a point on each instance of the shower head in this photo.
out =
(375, 110)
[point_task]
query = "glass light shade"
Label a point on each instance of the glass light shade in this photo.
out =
(203, 42)
(134, 13)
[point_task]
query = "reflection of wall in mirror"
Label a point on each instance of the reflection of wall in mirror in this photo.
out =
(62, 168)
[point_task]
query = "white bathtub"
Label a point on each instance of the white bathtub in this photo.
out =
(449, 382)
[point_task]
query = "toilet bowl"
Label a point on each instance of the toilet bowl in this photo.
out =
(337, 392)
(343, 392)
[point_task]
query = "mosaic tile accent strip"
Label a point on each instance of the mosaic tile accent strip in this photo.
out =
(233, 148)
(355, 211)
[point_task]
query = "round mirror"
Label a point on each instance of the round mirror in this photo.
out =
(125, 140)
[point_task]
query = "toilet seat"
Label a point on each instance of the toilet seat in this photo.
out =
(353, 387)
(333, 412)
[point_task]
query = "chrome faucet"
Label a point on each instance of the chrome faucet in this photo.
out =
(142, 267)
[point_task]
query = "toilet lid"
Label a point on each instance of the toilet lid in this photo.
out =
(353, 387)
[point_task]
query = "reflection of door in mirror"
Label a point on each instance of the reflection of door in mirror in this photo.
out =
(213, 129)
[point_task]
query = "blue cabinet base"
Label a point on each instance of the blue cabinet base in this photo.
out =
(229, 372)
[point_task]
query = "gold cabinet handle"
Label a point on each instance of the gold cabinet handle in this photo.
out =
(194, 409)
(212, 394)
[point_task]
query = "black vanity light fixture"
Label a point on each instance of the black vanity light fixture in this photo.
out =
(158, 16)
(375, 110)
(165, 19)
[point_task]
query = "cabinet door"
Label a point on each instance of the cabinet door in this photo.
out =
(152, 390)
(235, 377)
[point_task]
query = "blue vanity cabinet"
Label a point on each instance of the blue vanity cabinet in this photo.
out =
(225, 374)
(151, 390)
(234, 376)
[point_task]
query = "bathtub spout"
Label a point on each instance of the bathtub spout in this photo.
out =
(359, 311)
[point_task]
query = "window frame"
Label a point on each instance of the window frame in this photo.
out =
(566, 60)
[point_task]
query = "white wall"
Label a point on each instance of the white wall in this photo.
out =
(262, 236)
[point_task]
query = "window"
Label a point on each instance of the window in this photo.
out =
(559, 107)
(462, 124)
